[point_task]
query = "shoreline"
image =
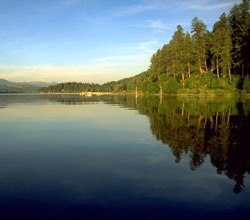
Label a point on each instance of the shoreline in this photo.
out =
(89, 94)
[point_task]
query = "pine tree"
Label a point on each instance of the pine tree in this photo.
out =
(221, 47)
(216, 46)
(171, 60)
(240, 24)
(188, 53)
(155, 66)
(225, 54)
(199, 31)
(178, 43)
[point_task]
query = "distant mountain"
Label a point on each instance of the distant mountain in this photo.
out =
(39, 84)
(4, 82)
(21, 87)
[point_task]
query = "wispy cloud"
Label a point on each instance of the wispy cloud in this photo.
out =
(199, 5)
(60, 4)
(69, 2)
(138, 9)
(211, 5)
(157, 25)
(133, 9)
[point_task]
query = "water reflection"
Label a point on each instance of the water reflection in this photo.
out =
(198, 127)
(217, 128)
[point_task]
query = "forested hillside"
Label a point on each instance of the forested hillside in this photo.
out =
(195, 62)
(20, 87)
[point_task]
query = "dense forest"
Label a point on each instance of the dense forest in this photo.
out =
(196, 62)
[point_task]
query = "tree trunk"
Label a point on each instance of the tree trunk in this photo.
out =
(228, 116)
(206, 65)
(229, 75)
(183, 79)
(216, 121)
(211, 122)
(173, 71)
(172, 123)
(199, 124)
(189, 71)
(182, 109)
(200, 66)
(205, 123)
(217, 68)
(161, 93)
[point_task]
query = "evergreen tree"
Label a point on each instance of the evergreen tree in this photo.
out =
(216, 46)
(240, 24)
(200, 32)
(171, 66)
(221, 47)
(155, 67)
(178, 44)
(226, 57)
(188, 54)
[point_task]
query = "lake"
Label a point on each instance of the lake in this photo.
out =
(124, 157)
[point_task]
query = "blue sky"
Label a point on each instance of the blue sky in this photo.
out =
(91, 40)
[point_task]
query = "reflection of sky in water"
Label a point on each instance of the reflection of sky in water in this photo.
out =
(100, 153)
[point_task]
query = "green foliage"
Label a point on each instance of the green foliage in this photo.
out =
(204, 81)
(170, 86)
(207, 83)
(221, 47)
(246, 84)
(144, 86)
(200, 39)
(153, 88)
(239, 19)
(236, 81)
(71, 87)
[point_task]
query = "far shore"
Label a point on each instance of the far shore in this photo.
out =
(89, 94)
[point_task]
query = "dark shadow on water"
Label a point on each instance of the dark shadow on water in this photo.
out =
(43, 211)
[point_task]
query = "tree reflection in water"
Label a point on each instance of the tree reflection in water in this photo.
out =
(199, 127)
(217, 128)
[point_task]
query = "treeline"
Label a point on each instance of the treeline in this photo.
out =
(77, 87)
(71, 87)
(200, 61)
(205, 60)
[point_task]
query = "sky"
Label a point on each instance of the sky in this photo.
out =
(91, 40)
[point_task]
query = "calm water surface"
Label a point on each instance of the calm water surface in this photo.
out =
(73, 157)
